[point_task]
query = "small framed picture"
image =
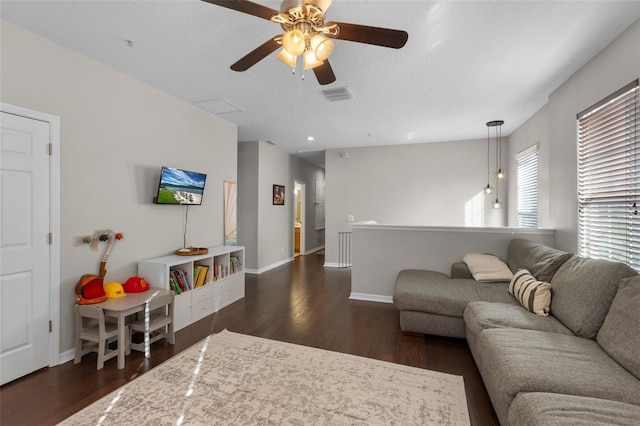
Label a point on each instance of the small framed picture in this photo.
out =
(278, 195)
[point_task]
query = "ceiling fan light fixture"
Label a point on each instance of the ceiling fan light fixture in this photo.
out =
(287, 58)
(310, 60)
(294, 42)
(322, 46)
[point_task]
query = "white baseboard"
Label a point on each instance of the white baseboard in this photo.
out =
(313, 250)
(336, 265)
(371, 297)
(67, 356)
(269, 267)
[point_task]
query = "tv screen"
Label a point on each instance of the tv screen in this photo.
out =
(180, 187)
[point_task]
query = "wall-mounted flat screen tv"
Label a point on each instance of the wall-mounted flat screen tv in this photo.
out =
(180, 187)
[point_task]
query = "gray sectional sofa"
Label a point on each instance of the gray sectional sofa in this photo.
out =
(579, 365)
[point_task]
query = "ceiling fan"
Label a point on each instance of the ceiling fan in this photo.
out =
(307, 34)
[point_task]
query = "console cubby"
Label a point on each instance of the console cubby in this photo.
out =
(223, 283)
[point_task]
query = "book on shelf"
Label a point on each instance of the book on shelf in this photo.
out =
(173, 285)
(199, 277)
(196, 272)
(183, 279)
(236, 265)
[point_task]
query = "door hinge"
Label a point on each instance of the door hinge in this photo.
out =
(50, 326)
(50, 149)
(50, 238)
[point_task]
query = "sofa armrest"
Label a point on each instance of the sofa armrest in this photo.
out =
(460, 270)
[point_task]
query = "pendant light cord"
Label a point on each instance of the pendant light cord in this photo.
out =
(499, 135)
(488, 155)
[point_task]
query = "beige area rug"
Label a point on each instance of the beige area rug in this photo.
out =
(231, 378)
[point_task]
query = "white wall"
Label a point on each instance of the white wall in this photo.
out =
(116, 133)
(615, 66)
(381, 251)
(428, 184)
(275, 222)
(266, 230)
(534, 132)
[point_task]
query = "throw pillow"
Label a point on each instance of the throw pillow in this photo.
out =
(532, 294)
(487, 267)
(619, 335)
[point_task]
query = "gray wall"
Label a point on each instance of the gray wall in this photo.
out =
(266, 230)
(615, 66)
(429, 184)
(248, 202)
(116, 133)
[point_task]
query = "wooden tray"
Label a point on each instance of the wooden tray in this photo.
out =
(192, 251)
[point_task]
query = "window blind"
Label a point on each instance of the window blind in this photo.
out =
(609, 178)
(527, 184)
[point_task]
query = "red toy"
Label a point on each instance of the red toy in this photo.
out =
(135, 285)
(89, 290)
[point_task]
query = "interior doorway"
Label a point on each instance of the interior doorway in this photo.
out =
(29, 257)
(298, 218)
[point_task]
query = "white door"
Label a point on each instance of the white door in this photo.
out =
(24, 246)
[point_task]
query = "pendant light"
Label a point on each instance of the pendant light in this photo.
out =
(497, 124)
(497, 204)
(500, 174)
(488, 189)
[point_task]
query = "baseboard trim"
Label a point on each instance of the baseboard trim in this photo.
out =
(336, 265)
(313, 250)
(371, 297)
(268, 267)
(67, 356)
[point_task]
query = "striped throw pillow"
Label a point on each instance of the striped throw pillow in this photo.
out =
(532, 294)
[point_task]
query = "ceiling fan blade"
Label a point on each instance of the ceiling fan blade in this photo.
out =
(248, 7)
(323, 5)
(324, 73)
(257, 54)
(384, 37)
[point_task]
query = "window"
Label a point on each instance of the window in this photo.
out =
(609, 178)
(527, 181)
(474, 210)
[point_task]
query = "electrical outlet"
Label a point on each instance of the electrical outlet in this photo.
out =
(350, 218)
(282, 249)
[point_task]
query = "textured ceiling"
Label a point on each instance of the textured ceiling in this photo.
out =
(466, 63)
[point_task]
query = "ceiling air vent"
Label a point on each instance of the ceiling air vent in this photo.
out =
(218, 106)
(338, 94)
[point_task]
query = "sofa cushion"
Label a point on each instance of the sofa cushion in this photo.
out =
(553, 409)
(512, 361)
(487, 267)
(583, 290)
(436, 293)
(533, 295)
(460, 270)
(542, 261)
(479, 316)
(619, 336)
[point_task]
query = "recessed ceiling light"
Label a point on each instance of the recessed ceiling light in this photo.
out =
(310, 138)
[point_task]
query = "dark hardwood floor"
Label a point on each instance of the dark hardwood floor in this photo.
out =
(300, 302)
